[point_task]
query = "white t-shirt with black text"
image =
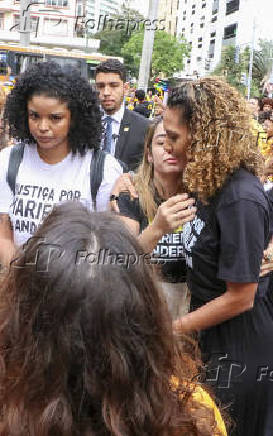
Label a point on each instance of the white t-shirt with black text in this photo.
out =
(39, 186)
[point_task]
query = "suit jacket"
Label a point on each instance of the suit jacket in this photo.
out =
(130, 144)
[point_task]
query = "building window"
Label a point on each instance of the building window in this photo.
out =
(214, 19)
(202, 25)
(211, 48)
(80, 8)
(199, 59)
(213, 34)
(230, 31)
(207, 64)
(200, 39)
(56, 27)
(57, 3)
(34, 24)
(199, 46)
(204, 5)
(232, 6)
(188, 61)
(215, 7)
(16, 23)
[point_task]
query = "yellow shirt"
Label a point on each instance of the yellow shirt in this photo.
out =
(202, 397)
(261, 136)
(269, 154)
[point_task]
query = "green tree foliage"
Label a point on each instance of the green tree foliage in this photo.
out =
(118, 31)
(167, 53)
(231, 70)
(263, 61)
(262, 66)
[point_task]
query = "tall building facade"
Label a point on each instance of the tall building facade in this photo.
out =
(211, 25)
(169, 10)
(100, 8)
(52, 24)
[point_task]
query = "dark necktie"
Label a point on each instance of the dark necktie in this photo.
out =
(108, 135)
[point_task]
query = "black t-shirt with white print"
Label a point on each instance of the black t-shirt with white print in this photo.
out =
(226, 240)
(169, 253)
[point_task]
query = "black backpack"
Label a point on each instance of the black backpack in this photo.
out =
(96, 169)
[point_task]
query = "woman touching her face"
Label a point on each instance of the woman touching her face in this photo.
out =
(158, 214)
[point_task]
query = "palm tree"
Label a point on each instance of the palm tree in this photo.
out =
(263, 62)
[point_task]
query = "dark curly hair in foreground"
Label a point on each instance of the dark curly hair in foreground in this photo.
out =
(86, 343)
(66, 85)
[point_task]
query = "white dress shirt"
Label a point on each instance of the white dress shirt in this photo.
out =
(116, 120)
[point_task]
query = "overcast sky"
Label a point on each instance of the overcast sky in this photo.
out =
(264, 14)
(265, 18)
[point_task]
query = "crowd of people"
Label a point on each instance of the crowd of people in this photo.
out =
(136, 255)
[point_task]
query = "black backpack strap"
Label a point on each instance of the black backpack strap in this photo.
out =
(96, 174)
(15, 159)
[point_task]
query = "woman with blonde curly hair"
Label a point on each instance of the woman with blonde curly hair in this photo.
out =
(231, 307)
(86, 343)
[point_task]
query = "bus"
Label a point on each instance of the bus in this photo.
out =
(14, 59)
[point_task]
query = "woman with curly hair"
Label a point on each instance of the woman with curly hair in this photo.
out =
(86, 344)
(54, 113)
(231, 306)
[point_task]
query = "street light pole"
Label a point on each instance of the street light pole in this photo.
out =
(251, 60)
(25, 22)
(147, 48)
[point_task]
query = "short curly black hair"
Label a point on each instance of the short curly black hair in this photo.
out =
(112, 66)
(65, 84)
(140, 94)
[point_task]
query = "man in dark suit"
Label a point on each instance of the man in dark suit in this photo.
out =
(124, 130)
